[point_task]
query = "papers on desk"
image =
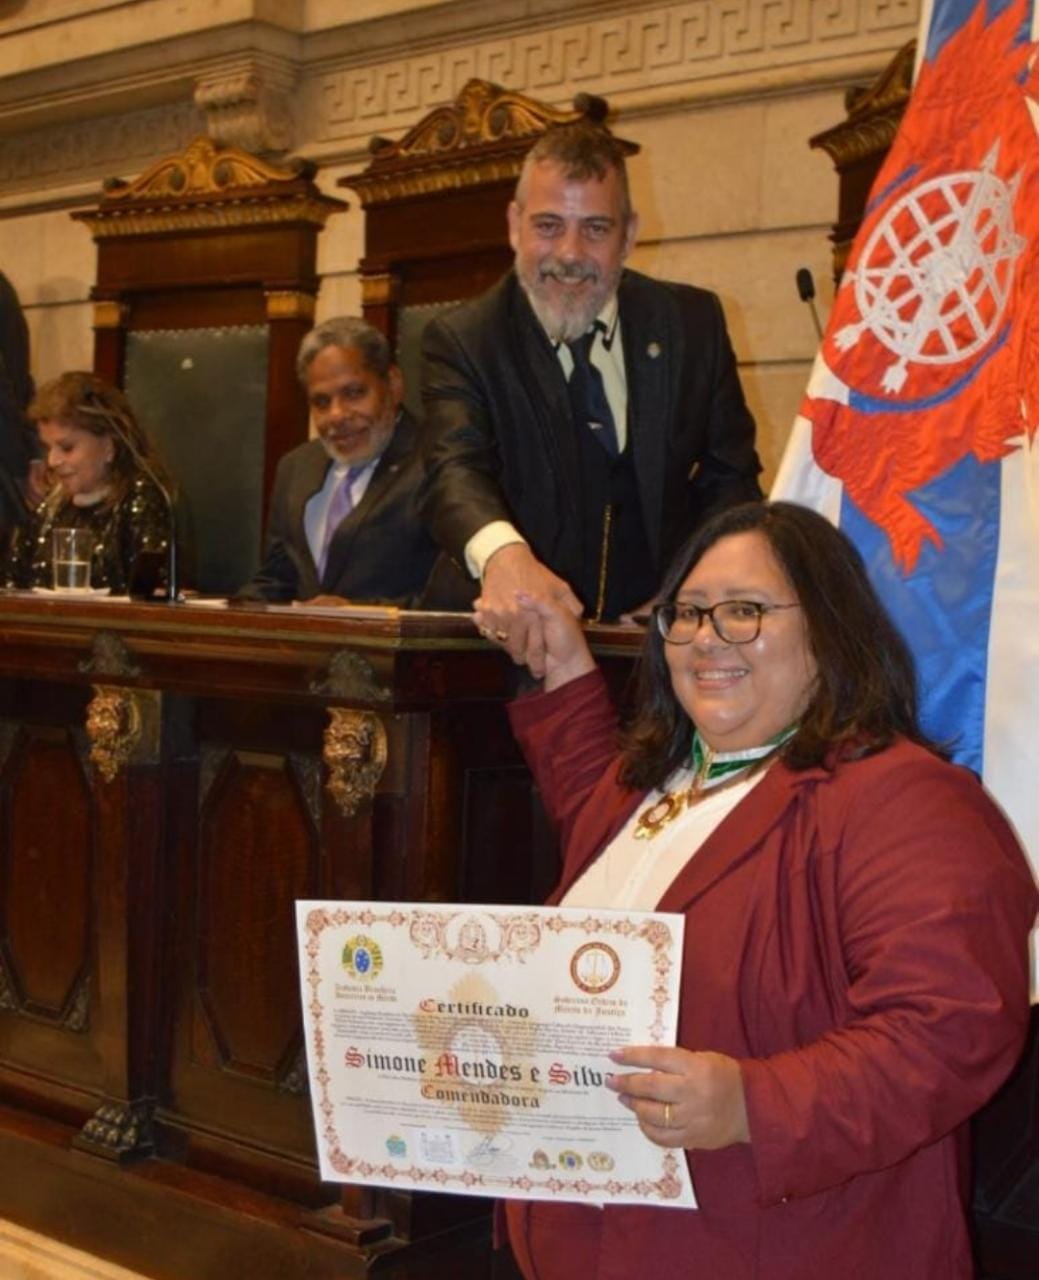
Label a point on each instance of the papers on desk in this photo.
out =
(464, 1048)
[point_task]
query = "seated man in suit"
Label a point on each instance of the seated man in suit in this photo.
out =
(581, 419)
(344, 522)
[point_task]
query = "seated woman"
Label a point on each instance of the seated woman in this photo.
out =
(855, 978)
(93, 447)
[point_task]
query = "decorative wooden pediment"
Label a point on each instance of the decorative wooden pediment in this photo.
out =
(874, 112)
(479, 138)
(207, 271)
(857, 146)
(206, 186)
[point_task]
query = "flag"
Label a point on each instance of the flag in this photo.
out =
(917, 431)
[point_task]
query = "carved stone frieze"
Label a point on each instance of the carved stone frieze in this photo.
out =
(355, 754)
(332, 102)
(86, 148)
(118, 1131)
(249, 106)
(644, 50)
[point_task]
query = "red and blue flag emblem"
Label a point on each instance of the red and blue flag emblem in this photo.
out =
(917, 431)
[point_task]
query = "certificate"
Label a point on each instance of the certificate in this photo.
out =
(464, 1048)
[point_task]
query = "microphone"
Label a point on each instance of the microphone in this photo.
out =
(806, 292)
(92, 403)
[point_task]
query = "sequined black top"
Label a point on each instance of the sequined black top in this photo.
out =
(138, 523)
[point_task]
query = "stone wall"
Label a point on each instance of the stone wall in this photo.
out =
(722, 95)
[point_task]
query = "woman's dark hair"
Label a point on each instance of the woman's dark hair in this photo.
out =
(84, 400)
(865, 690)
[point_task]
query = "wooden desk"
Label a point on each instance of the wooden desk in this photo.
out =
(165, 782)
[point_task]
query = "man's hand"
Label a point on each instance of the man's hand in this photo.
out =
(514, 571)
(323, 602)
(554, 635)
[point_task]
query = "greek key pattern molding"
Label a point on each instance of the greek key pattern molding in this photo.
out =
(650, 48)
(92, 147)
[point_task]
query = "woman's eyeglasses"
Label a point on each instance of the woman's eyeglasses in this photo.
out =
(734, 621)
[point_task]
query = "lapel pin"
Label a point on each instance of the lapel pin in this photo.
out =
(653, 350)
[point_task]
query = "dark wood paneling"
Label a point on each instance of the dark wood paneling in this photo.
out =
(257, 854)
(169, 890)
(46, 871)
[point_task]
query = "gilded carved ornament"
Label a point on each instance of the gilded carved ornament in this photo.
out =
(114, 727)
(378, 290)
(118, 1131)
(207, 186)
(289, 305)
(481, 137)
(205, 168)
(874, 113)
(355, 753)
(110, 315)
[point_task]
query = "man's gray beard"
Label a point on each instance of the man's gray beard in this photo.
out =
(565, 323)
(338, 458)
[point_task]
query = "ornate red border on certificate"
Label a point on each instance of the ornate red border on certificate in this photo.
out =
(518, 935)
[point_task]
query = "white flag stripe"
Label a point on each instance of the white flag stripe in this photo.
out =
(1011, 761)
(801, 479)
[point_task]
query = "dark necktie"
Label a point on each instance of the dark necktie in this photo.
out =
(588, 395)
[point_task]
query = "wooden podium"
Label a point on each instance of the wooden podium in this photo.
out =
(172, 778)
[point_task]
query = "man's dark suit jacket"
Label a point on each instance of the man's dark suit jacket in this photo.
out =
(497, 441)
(381, 551)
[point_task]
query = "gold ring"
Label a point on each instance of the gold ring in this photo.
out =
(667, 1115)
(501, 635)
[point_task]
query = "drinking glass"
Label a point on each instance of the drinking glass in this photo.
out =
(72, 549)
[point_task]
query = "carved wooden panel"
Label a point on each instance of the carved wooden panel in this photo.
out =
(176, 880)
(257, 853)
(46, 871)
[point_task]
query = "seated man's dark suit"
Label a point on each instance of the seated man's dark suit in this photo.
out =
(381, 552)
(501, 443)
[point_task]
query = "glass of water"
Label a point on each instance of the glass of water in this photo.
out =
(72, 549)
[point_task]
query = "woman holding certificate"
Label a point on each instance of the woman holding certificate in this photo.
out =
(855, 977)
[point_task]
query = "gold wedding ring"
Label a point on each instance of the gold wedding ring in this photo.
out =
(667, 1115)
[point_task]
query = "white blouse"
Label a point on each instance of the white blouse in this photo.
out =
(633, 874)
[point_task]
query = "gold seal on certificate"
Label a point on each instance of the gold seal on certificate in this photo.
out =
(465, 1048)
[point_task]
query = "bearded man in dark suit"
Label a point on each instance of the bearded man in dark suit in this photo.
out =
(344, 521)
(582, 419)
